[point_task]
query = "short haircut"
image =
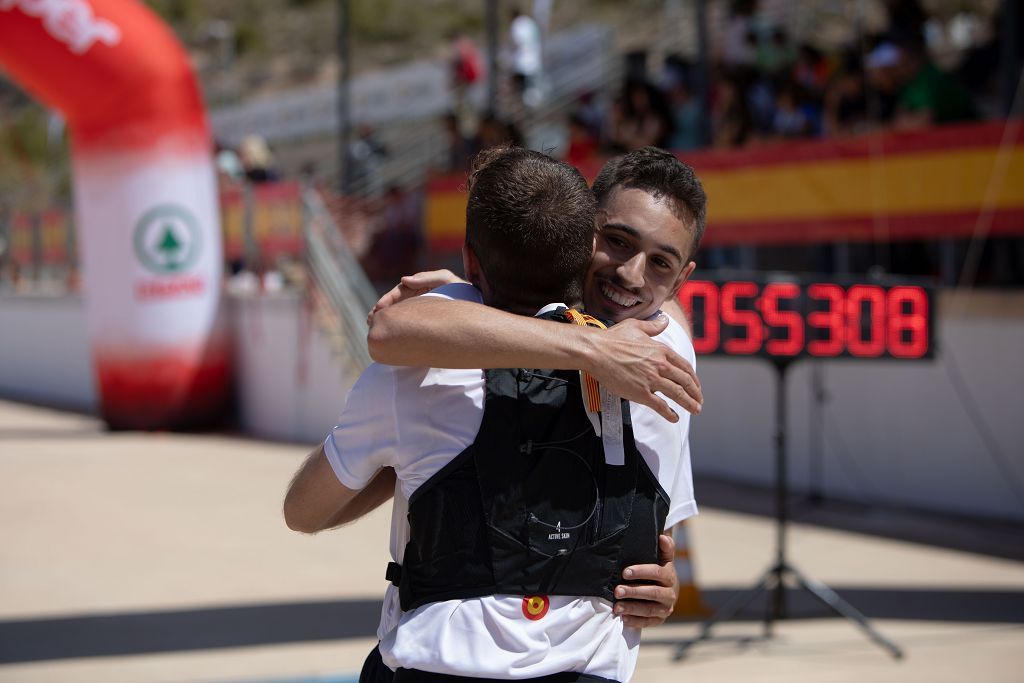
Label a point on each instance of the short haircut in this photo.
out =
(530, 222)
(664, 176)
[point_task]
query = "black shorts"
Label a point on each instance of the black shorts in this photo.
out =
(414, 676)
(375, 670)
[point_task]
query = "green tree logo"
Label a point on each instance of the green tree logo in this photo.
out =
(167, 239)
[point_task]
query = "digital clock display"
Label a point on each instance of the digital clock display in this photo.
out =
(790, 317)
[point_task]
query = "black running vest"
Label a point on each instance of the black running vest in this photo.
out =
(531, 507)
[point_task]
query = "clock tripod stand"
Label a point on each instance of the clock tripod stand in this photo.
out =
(774, 578)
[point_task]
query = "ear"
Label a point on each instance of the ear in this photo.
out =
(683, 277)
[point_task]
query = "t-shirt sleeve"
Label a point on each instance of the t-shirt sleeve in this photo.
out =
(458, 291)
(366, 436)
(683, 505)
(678, 482)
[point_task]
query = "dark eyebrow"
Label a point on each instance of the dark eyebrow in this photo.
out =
(630, 230)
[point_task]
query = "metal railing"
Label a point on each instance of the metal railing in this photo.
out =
(341, 292)
(418, 145)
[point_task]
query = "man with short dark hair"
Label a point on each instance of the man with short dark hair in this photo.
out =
(651, 216)
(521, 495)
(528, 229)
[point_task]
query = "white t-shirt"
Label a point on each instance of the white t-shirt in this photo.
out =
(417, 420)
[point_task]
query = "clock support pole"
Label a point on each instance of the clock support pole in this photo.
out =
(773, 581)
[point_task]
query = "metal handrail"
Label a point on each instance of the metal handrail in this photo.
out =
(419, 149)
(338, 276)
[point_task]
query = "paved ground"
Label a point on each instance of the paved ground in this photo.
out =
(135, 557)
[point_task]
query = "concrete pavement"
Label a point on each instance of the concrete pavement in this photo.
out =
(163, 557)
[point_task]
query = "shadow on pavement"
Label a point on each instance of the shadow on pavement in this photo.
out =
(200, 629)
(922, 604)
(995, 538)
(105, 635)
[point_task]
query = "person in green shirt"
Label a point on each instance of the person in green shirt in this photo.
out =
(929, 96)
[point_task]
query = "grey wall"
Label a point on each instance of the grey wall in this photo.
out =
(898, 432)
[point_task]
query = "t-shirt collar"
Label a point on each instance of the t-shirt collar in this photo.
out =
(550, 308)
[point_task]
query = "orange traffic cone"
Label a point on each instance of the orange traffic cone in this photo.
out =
(689, 603)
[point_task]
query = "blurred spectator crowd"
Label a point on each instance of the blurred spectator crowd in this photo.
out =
(766, 86)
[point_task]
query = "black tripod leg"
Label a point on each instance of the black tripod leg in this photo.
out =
(727, 611)
(775, 607)
(845, 609)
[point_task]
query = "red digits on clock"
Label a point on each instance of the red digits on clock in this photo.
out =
(865, 321)
(792, 344)
(746, 318)
(874, 298)
(914, 322)
(707, 342)
(832, 319)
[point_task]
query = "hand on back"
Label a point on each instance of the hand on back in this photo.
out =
(650, 597)
(411, 286)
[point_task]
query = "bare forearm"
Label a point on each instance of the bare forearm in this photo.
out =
(315, 496)
(380, 489)
(439, 333)
(434, 332)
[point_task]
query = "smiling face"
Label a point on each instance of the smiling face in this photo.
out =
(642, 256)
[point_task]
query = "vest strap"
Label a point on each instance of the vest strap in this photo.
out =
(394, 573)
(592, 392)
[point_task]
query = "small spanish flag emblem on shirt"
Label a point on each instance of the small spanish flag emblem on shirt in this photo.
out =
(535, 606)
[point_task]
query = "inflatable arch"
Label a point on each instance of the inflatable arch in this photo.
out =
(145, 201)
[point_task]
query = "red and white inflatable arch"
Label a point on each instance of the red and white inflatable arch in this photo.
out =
(145, 200)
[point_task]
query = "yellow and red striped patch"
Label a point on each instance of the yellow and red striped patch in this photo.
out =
(593, 388)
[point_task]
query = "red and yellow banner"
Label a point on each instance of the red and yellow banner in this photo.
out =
(276, 214)
(937, 183)
(276, 220)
